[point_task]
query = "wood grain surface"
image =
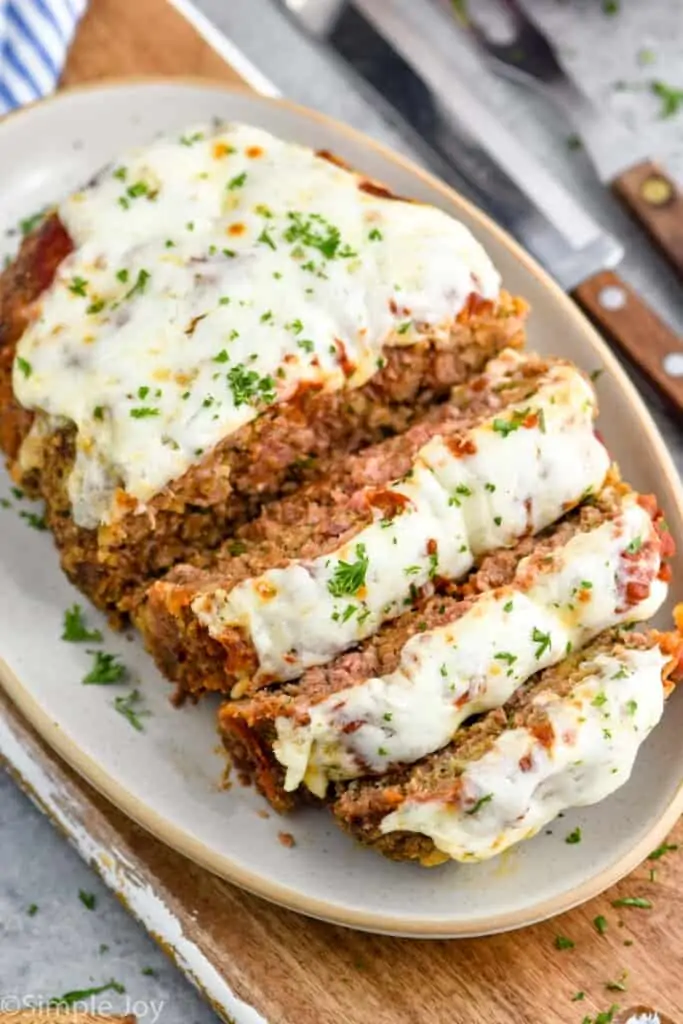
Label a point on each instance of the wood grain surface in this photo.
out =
(640, 334)
(653, 198)
(292, 970)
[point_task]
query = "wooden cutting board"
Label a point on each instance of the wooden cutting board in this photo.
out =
(258, 963)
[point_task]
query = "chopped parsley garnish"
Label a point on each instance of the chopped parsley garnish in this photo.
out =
(248, 387)
(506, 427)
(189, 140)
(600, 924)
(635, 546)
(595, 374)
(562, 942)
(80, 995)
(633, 901)
(489, 487)
(5, 503)
(27, 225)
(505, 656)
(412, 570)
(140, 283)
(662, 850)
(237, 547)
(88, 899)
(127, 706)
(349, 577)
(296, 326)
(610, 6)
(671, 98)
(237, 181)
(306, 344)
(24, 366)
(632, 706)
(387, 716)
(599, 699)
(507, 607)
(266, 239)
(138, 188)
(433, 565)
(142, 412)
(543, 640)
(222, 357)
(148, 972)
(317, 233)
(96, 307)
(106, 669)
(480, 803)
(578, 996)
(404, 327)
(375, 235)
(32, 909)
(573, 142)
(35, 521)
(574, 836)
(498, 520)
(143, 392)
(78, 285)
(618, 985)
(75, 630)
(122, 275)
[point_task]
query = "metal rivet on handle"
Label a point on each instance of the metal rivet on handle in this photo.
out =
(657, 190)
(673, 364)
(612, 297)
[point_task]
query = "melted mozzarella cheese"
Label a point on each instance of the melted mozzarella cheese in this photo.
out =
(474, 664)
(456, 508)
(521, 784)
(212, 276)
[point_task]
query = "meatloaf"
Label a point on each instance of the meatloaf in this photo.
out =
(208, 316)
(568, 738)
(405, 692)
(322, 570)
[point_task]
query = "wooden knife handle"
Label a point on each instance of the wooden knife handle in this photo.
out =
(637, 330)
(654, 199)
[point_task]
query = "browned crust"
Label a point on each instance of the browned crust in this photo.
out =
(360, 806)
(252, 466)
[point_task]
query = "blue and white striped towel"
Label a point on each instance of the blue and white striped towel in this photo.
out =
(34, 39)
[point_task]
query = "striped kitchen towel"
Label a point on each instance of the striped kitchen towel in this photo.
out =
(34, 38)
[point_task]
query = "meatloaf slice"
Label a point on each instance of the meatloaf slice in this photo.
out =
(322, 570)
(567, 739)
(405, 692)
(127, 303)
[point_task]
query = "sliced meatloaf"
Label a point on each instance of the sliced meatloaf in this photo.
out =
(322, 571)
(405, 692)
(567, 739)
(207, 317)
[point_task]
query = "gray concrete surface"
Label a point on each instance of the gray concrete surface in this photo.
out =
(62, 946)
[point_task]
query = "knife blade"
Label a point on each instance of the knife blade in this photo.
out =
(383, 44)
(519, 50)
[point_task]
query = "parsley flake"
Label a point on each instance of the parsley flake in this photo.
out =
(106, 670)
(75, 630)
(349, 577)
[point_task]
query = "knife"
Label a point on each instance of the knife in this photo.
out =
(523, 53)
(383, 45)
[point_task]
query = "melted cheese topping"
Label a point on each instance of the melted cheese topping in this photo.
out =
(212, 276)
(528, 465)
(476, 663)
(521, 784)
